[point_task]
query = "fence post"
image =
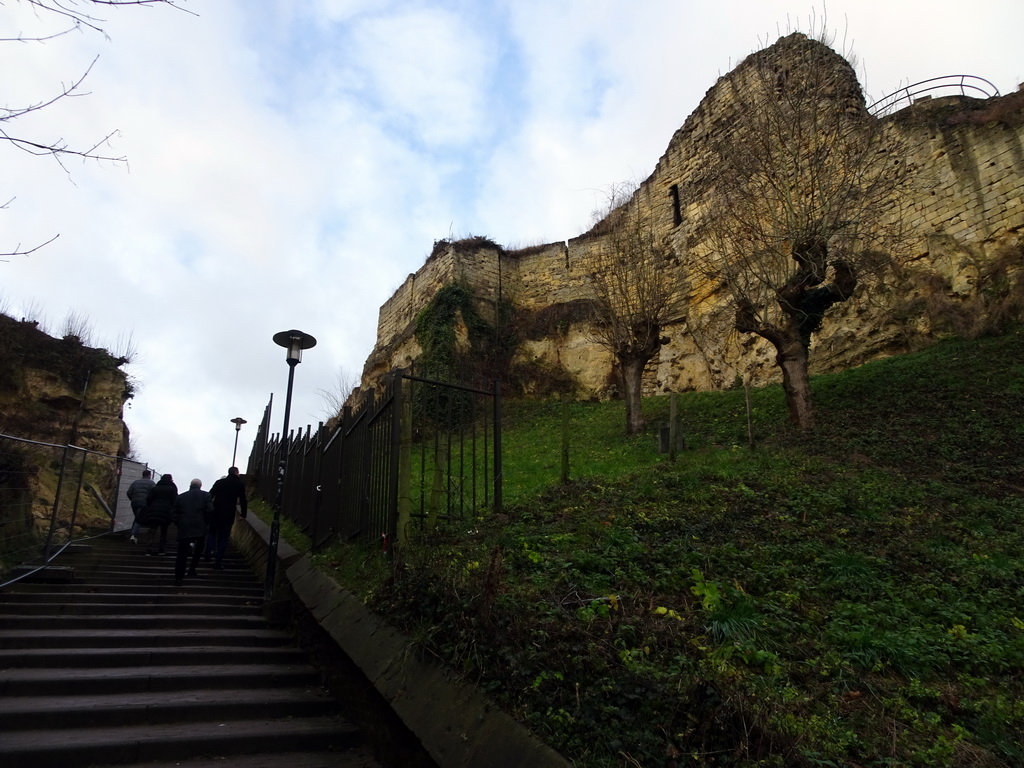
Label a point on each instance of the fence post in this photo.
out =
(565, 438)
(497, 447)
(78, 494)
(366, 459)
(318, 481)
(56, 506)
(673, 426)
(403, 410)
(750, 413)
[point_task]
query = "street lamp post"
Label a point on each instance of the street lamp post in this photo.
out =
(238, 421)
(294, 342)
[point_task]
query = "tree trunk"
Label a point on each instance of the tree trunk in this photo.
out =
(792, 359)
(632, 380)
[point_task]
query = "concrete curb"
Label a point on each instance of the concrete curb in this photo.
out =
(454, 722)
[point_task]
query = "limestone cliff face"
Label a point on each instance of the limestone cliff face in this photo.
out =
(56, 392)
(59, 391)
(964, 221)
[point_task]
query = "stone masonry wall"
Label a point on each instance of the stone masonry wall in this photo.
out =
(967, 209)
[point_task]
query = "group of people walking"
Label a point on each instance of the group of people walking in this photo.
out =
(203, 519)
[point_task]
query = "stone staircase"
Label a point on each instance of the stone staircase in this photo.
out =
(115, 665)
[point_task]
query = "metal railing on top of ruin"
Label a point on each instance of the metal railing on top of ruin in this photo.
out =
(948, 85)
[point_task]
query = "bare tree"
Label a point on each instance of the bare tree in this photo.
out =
(334, 399)
(636, 284)
(800, 206)
(32, 312)
(79, 327)
(71, 15)
(124, 348)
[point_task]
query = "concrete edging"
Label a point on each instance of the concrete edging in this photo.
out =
(455, 723)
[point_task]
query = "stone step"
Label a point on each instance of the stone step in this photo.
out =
(102, 710)
(27, 658)
(61, 622)
(49, 575)
(95, 608)
(116, 745)
(120, 667)
(130, 638)
(208, 584)
(352, 758)
(148, 678)
(192, 596)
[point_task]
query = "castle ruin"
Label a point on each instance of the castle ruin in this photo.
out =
(965, 220)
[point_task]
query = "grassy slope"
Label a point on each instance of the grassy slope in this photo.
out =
(853, 598)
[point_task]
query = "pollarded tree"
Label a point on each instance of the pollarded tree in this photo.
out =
(636, 285)
(801, 202)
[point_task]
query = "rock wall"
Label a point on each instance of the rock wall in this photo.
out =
(55, 392)
(965, 218)
(50, 388)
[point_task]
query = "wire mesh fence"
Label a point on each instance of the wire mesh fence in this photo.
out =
(52, 494)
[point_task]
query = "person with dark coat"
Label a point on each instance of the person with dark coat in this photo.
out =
(137, 493)
(191, 509)
(227, 493)
(159, 505)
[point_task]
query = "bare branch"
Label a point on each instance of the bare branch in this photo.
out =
(67, 91)
(69, 9)
(19, 251)
(333, 400)
(124, 348)
(59, 147)
(76, 12)
(79, 327)
(40, 39)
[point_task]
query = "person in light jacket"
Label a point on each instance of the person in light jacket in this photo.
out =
(191, 511)
(157, 514)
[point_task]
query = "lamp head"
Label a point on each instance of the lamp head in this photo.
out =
(294, 342)
(238, 421)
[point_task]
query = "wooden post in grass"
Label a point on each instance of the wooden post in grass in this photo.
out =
(565, 438)
(750, 416)
(673, 427)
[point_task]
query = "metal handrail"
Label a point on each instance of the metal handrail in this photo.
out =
(963, 84)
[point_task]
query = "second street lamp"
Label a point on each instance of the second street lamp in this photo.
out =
(238, 421)
(294, 342)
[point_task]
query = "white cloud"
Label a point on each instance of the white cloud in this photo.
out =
(427, 70)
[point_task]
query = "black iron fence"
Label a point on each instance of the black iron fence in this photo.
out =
(415, 455)
(51, 494)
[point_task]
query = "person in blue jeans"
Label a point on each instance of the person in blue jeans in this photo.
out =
(227, 494)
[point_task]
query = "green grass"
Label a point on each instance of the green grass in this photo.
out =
(290, 530)
(854, 597)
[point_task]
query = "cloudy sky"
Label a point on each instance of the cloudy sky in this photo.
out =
(290, 163)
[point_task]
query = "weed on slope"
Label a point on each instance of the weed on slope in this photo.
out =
(850, 598)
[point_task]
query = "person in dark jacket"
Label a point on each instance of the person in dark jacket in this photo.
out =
(227, 493)
(191, 509)
(159, 505)
(137, 493)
